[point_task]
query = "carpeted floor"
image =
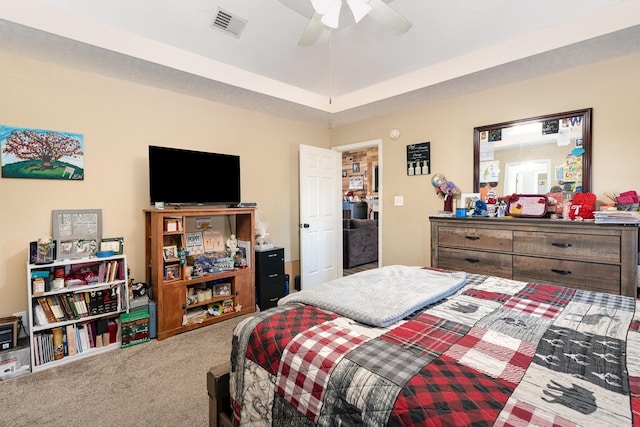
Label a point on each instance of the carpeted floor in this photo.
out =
(159, 383)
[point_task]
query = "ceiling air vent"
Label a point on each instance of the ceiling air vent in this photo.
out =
(229, 23)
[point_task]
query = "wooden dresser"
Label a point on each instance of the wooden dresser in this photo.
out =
(583, 255)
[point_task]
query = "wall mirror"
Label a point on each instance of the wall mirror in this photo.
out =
(538, 155)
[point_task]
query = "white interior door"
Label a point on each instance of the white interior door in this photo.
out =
(320, 216)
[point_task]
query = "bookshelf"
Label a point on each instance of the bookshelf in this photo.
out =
(74, 308)
(192, 278)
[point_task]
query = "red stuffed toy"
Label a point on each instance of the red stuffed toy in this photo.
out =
(582, 206)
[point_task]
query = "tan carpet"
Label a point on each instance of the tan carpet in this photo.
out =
(159, 383)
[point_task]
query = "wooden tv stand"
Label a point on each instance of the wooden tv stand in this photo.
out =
(167, 272)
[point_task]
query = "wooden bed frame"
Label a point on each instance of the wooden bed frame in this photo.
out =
(218, 390)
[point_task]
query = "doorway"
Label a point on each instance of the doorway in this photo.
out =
(361, 198)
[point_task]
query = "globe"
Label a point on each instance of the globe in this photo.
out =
(437, 180)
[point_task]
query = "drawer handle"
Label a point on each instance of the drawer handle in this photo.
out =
(272, 255)
(273, 275)
(562, 245)
(473, 260)
(562, 272)
(472, 237)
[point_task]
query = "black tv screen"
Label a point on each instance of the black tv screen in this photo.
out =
(178, 176)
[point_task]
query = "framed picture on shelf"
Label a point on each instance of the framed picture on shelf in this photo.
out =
(170, 253)
(213, 241)
(115, 244)
(172, 272)
(203, 223)
(244, 246)
(195, 244)
(71, 249)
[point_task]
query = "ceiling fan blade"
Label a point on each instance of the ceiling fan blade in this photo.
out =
(388, 17)
(312, 32)
(359, 9)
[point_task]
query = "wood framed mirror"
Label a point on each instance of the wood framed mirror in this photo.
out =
(538, 155)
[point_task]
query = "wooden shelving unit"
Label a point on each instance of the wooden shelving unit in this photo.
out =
(184, 286)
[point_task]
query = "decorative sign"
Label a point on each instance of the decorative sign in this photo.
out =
(419, 159)
(195, 243)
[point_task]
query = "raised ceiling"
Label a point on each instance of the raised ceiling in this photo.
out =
(352, 73)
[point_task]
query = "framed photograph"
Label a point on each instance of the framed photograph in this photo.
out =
(172, 225)
(115, 244)
(244, 246)
(356, 167)
(172, 272)
(170, 253)
(468, 200)
(344, 173)
(203, 223)
(213, 241)
(71, 249)
(78, 232)
(356, 182)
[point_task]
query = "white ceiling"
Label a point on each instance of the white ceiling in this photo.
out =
(358, 71)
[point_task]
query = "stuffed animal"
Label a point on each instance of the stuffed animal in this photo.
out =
(582, 206)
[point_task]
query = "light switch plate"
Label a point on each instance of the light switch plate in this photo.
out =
(398, 201)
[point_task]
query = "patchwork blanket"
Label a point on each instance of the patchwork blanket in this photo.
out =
(381, 296)
(497, 352)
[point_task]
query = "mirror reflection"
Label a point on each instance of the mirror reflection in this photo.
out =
(540, 155)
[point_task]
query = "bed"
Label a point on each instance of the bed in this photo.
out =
(476, 350)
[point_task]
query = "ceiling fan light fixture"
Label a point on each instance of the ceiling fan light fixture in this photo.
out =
(359, 9)
(332, 16)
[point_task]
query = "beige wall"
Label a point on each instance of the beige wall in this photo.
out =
(120, 119)
(611, 88)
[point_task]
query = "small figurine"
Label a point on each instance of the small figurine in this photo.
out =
(232, 245)
(480, 208)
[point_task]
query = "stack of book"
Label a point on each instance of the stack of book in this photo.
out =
(69, 340)
(617, 217)
(74, 306)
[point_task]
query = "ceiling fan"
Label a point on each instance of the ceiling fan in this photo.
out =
(327, 13)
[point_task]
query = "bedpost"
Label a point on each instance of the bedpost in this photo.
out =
(218, 390)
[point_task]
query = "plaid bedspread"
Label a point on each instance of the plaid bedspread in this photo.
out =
(498, 352)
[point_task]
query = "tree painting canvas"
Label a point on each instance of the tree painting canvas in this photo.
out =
(41, 154)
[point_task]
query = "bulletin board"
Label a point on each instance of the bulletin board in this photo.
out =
(77, 232)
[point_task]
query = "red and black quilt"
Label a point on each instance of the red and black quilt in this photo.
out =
(498, 352)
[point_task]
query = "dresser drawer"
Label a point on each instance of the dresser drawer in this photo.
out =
(584, 247)
(478, 262)
(576, 274)
(476, 238)
(270, 263)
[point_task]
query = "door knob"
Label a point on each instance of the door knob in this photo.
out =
(305, 225)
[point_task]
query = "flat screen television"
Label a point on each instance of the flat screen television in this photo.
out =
(187, 177)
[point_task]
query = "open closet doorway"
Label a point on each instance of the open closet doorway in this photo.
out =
(361, 205)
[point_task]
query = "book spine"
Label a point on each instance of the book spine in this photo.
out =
(47, 310)
(58, 346)
(71, 340)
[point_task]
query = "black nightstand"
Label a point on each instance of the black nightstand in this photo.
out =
(270, 277)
